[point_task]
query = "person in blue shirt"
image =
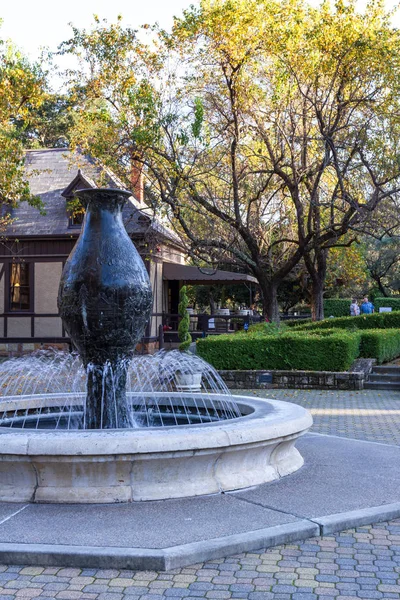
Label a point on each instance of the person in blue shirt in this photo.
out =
(367, 307)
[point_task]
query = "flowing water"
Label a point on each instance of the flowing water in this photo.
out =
(47, 390)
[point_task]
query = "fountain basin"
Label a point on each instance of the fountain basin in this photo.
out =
(152, 463)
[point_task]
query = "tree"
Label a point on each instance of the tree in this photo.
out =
(47, 124)
(265, 148)
(22, 89)
(382, 259)
(113, 94)
(347, 274)
(293, 290)
(207, 296)
(341, 103)
(125, 118)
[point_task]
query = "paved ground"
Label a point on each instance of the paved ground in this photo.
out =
(372, 415)
(362, 563)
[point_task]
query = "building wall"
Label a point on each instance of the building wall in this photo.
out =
(48, 327)
(19, 326)
(48, 258)
(47, 277)
(171, 254)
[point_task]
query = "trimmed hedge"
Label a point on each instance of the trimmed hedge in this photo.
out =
(335, 352)
(296, 322)
(329, 345)
(382, 344)
(393, 303)
(337, 307)
(374, 321)
(265, 328)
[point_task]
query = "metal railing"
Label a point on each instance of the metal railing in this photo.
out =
(201, 325)
(207, 324)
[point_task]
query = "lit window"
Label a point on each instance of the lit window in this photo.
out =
(76, 212)
(20, 291)
(76, 219)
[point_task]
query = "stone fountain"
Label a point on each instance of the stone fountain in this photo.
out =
(125, 435)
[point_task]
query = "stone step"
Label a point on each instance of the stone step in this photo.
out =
(384, 377)
(389, 369)
(379, 385)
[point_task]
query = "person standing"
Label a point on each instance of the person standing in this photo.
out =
(367, 307)
(354, 308)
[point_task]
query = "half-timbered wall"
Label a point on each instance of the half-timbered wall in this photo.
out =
(46, 259)
(40, 321)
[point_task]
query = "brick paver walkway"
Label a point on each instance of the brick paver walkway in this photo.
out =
(361, 563)
(366, 415)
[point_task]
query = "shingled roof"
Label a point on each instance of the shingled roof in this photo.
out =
(50, 173)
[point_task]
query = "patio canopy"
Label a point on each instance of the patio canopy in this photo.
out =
(203, 275)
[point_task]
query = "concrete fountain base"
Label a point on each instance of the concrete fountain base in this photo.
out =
(106, 466)
(343, 484)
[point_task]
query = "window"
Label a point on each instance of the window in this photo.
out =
(76, 218)
(75, 210)
(20, 290)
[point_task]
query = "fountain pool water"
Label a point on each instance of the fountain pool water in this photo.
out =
(101, 427)
(46, 390)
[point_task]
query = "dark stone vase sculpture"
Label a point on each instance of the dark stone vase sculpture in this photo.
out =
(105, 302)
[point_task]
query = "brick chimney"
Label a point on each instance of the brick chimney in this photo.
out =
(137, 181)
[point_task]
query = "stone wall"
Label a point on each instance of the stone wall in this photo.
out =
(294, 379)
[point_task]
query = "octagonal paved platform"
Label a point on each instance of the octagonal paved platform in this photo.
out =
(344, 483)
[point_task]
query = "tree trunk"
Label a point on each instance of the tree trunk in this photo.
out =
(317, 298)
(269, 293)
(212, 304)
(317, 271)
(381, 288)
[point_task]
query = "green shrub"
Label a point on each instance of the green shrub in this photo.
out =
(337, 307)
(324, 332)
(184, 324)
(393, 303)
(382, 344)
(391, 320)
(334, 352)
(297, 322)
(374, 321)
(266, 328)
(350, 323)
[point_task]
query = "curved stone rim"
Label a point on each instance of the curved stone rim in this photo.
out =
(93, 191)
(269, 422)
(153, 464)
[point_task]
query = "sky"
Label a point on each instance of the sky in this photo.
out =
(32, 24)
